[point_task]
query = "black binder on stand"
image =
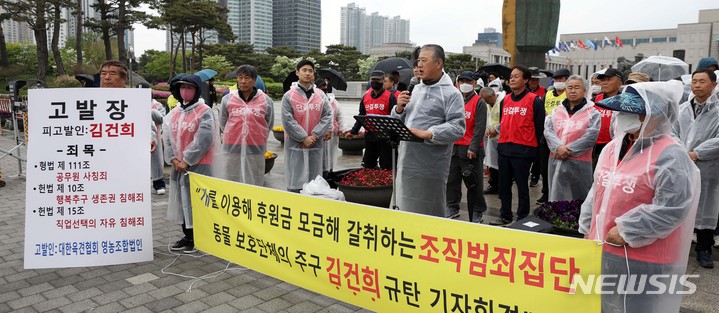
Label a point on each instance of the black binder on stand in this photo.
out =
(393, 130)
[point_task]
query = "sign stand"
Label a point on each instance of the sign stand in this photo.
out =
(393, 130)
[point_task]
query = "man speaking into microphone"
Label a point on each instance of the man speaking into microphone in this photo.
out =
(435, 113)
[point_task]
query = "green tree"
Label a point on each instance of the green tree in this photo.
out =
(404, 54)
(34, 13)
(219, 64)
(103, 24)
(284, 66)
(364, 65)
(344, 59)
(128, 13)
(284, 50)
(23, 55)
(3, 45)
(457, 63)
(158, 67)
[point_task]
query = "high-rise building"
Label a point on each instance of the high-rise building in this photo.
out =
(369, 31)
(352, 28)
(489, 37)
(297, 24)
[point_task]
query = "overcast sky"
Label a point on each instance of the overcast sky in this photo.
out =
(454, 24)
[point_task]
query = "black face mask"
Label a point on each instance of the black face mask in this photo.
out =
(376, 86)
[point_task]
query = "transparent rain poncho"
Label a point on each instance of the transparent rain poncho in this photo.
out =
(650, 195)
(301, 117)
(245, 127)
(701, 135)
(423, 167)
(156, 159)
(189, 135)
(571, 178)
(331, 150)
(491, 157)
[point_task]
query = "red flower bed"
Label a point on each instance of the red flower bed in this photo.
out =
(368, 178)
(348, 135)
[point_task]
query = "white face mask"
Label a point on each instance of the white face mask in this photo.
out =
(466, 88)
(595, 89)
(628, 123)
(496, 89)
(560, 85)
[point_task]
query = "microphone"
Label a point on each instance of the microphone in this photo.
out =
(412, 82)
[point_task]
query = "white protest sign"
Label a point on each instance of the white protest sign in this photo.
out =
(88, 177)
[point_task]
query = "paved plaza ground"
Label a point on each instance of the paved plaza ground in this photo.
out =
(168, 283)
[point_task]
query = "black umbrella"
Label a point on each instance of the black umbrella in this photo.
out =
(547, 72)
(337, 80)
(496, 68)
(392, 64)
(291, 78)
(86, 80)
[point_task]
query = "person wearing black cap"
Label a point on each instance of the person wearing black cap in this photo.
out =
(306, 118)
(642, 204)
(189, 136)
(467, 154)
(611, 82)
(376, 101)
(521, 127)
(552, 99)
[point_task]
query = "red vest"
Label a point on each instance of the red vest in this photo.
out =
(630, 187)
(571, 128)
(379, 106)
(540, 92)
(307, 112)
(246, 124)
(517, 124)
(606, 116)
(184, 125)
(470, 108)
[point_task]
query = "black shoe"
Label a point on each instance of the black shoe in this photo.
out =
(705, 259)
(542, 200)
(500, 222)
(534, 182)
(181, 244)
(190, 248)
(491, 190)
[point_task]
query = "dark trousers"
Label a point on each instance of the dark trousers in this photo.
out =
(536, 169)
(189, 234)
(544, 159)
(475, 194)
(158, 184)
(705, 240)
(375, 149)
(493, 180)
(517, 169)
(595, 154)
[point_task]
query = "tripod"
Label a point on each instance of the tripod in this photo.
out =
(18, 109)
(393, 130)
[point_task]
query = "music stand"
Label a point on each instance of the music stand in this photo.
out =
(393, 130)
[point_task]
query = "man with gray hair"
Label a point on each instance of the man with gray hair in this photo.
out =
(492, 97)
(434, 113)
(571, 129)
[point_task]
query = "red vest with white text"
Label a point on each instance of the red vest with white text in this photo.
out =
(571, 128)
(606, 116)
(379, 106)
(186, 124)
(470, 108)
(307, 112)
(517, 124)
(630, 186)
(246, 124)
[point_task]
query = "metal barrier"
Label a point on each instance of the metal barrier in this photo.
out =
(17, 113)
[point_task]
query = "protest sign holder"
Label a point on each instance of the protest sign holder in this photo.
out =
(393, 130)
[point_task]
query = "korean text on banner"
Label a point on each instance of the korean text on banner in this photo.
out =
(88, 200)
(390, 261)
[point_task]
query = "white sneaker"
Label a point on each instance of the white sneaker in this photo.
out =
(160, 191)
(716, 241)
(694, 238)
